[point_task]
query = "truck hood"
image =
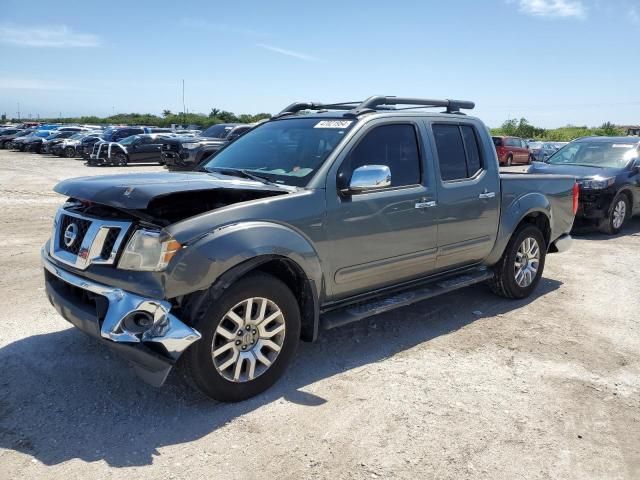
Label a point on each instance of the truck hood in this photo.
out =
(136, 191)
(577, 171)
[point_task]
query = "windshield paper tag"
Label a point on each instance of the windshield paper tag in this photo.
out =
(333, 124)
(622, 145)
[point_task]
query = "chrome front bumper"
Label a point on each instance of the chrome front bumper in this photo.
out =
(152, 352)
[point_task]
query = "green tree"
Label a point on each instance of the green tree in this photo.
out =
(166, 113)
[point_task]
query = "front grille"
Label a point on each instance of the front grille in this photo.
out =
(82, 227)
(109, 243)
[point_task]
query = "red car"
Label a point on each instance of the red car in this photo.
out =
(512, 150)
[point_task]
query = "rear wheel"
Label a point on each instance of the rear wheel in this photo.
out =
(69, 152)
(617, 216)
(517, 273)
(509, 160)
(249, 336)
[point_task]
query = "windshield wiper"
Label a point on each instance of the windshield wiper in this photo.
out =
(240, 172)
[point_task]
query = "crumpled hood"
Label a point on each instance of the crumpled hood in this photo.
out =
(136, 191)
(573, 170)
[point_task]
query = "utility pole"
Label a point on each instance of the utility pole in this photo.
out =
(184, 108)
(18, 111)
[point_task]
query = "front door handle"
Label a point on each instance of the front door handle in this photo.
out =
(425, 204)
(487, 195)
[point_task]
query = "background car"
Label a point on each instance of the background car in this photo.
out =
(7, 135)
(26, 142)
(144, 148)
(608, 172)
(540, 151)
(187, 153)
(512, 150)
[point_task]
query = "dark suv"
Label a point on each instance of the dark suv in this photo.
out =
(188, 153)
(608, 172)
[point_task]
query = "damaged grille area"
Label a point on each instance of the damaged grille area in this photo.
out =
(109, 243)
(81, 227)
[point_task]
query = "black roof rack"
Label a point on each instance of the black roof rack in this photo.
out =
(376, 103)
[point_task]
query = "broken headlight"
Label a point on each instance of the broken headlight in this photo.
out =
(148, 250)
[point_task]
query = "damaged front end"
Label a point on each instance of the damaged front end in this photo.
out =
(107, 266)
(142, 330)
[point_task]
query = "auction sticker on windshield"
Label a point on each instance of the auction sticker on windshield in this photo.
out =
(333, 124)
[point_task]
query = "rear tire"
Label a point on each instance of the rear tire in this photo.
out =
(232, 337)
(509, 160)
(617, 215)
(518, 272)
(69, 152)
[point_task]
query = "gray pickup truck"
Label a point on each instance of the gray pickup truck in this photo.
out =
(324, 215)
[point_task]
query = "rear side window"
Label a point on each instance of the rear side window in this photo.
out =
(458, 151)
(395, 146)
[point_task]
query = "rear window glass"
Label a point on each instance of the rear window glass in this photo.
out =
(497, 141)
(458, 151)
(451, 156)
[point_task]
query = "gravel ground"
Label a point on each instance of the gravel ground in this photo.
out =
(464, 386)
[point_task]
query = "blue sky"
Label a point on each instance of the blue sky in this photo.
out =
(552, 61)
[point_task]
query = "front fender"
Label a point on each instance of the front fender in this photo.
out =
(512, 215)
(200, 264)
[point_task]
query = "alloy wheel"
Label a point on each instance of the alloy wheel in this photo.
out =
(527, 262)
(248, 339)
(619, 214)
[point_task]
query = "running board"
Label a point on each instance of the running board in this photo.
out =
(368, 308)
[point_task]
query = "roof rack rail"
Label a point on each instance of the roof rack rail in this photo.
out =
(373, 103)
(299, 106)
(376, 103)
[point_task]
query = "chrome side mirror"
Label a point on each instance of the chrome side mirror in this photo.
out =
(370, 177)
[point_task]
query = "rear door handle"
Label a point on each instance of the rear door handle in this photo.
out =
(425, 204)
(487, 195)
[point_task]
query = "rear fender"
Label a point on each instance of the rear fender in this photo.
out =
(512, 215)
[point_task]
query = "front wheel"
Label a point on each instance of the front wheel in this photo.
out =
(617, 215)
(517, 273)
(120, 160)
(69, 152)
(249, 336)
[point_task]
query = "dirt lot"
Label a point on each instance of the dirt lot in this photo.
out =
(465, 386)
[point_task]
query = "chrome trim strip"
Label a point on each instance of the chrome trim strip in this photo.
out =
(167, 330)
(92, 243)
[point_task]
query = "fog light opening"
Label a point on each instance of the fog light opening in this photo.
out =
(137, 322)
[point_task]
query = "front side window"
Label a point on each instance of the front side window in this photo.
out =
(287, 151)
(395, 146)
(458, 151)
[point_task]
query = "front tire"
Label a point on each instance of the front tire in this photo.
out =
(617, 216)
(249, 336)
(120, 160)
(518, 272)
(69, 152)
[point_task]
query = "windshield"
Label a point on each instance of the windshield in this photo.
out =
(42, 134)
(217, 131)
(285, 151)
(602, 154)
(77, 136)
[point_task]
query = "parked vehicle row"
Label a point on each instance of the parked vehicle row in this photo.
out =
(321, 216)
